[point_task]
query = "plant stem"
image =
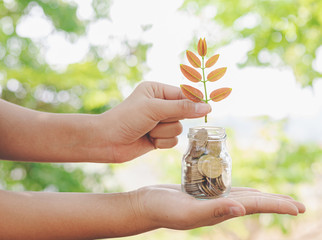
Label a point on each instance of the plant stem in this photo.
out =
(204, 82)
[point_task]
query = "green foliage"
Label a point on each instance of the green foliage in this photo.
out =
(93, 84)
(39, 177)
(289, 30)
(90, 86)
(54, 177)
(285, 168)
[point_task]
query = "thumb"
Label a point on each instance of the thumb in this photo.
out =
(218, 208)
(178, 109)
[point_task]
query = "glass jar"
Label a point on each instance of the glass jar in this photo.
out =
(206, 167)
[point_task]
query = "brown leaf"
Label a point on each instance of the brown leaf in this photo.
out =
(191, 93)
(220, 94)
(202, 47)
(193, 59)
(211, 61)
(190, 73)
(216, 74)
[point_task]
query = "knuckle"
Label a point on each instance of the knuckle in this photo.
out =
(145, 84)
(151, 110)
(186, 106)
(178, 128)
(165, 143)
(152, 87)
(157, 143)
(147, 88)
(174, 142)
(219, 212)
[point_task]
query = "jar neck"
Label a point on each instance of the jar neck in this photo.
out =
(209, 133)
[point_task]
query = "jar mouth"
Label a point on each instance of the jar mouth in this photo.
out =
(214, 133)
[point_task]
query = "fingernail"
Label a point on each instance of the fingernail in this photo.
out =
(202, 108)
(236, 211)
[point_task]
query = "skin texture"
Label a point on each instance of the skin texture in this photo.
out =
(147, 119)
(34, 215)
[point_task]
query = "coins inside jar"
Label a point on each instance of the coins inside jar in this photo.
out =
(204, 172)
(214, 148)
(210, 166)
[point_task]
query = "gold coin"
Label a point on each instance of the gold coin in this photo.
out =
(205, 190)
(220, 183)
(201, 135)
(211, 192)
(201, 138)
(200, 162)
(192, 175)
(212, 167)
(214, 147)
(213, 185)
(195, 150)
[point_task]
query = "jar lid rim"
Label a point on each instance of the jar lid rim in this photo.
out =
(214, 133)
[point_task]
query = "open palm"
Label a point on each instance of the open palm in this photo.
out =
(169, 207)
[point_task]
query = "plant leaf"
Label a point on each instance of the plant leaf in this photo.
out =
(202, 47)
(193, 59)
(190, 73)
(216, 74)
(191, 93)
(205, 46)
(211, 61)
(220, 94)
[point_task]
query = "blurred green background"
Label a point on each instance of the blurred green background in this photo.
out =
(86, 56)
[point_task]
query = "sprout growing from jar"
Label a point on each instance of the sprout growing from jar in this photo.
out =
(193, 75)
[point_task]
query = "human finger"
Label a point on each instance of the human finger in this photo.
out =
(163, 143)
(169, 186)
(175, 119)
(217, 208)
(177, 109)
(257, 193)
(166, 130)
(165, 91)
(243, 189)
(260, 204)
(193, 213)
(299, 205)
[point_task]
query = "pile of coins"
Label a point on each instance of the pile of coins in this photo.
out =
(204, 172)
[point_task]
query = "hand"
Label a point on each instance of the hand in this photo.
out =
(167, 206)
(148, 119)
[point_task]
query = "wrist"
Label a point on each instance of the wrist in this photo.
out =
(102, 138)
(106, 132)
(85, 137)
(140, 210)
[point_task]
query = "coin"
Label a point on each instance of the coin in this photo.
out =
(201, 137)
(205, 170)
(220, 183)
(214, 147)
(213, 185)
(212, 167)
(201, 161)
(192, 174)
(196, 151)
(205, 190)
